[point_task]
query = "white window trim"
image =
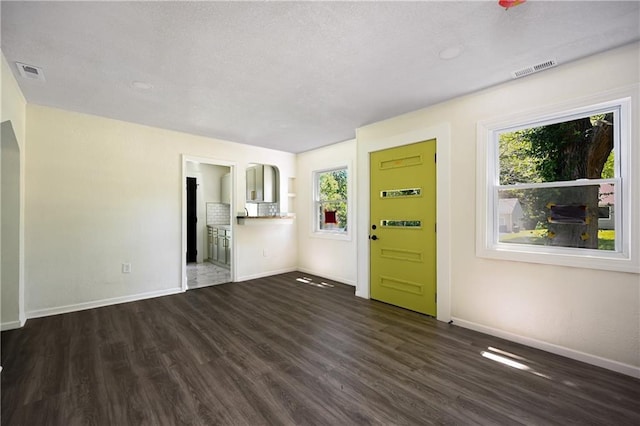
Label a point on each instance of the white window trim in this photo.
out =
(626, 258)
(328, 234)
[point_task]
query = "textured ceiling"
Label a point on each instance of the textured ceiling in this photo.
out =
(291, 76)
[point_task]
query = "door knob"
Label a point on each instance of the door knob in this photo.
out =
(374, 237)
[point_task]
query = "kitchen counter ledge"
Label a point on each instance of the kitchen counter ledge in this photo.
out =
(242, 220)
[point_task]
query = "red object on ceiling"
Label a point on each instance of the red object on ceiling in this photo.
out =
(510, 3)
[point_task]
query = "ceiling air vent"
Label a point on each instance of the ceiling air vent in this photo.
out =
(534, 68)
(29, 71)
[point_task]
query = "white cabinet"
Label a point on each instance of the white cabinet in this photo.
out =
(268, 184)
(254, 183)
(225, 189)
(213, 243)
(222, 241)
(219, 244)
(227, 248)
(262, 183)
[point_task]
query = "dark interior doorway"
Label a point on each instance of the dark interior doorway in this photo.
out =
(192, 220)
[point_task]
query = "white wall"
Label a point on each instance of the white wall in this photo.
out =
(585, 314)
(102, 192)
(266, 247)
(211, 181)
(330, 258)
(13, 117)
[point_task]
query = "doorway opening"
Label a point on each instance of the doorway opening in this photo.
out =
(207, 225)
(192, 220)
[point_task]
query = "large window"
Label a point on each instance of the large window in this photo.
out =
(554, 178)
(331, 201)
(555, 187)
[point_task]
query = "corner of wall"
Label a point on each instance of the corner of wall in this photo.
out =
(13, 110)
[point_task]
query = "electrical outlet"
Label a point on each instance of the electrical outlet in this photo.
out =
(126, 268)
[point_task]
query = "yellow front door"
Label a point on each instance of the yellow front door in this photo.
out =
(402, 229)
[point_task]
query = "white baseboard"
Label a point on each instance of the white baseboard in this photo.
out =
(361, 295)
(328, 276)
(100, 303)
(10, 325)
(609, 364)
(265, 274)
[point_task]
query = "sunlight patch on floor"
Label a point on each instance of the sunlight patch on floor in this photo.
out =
(504, 360)
(306, 280)
(510, 360)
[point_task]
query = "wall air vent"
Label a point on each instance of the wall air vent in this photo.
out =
(30, 72)
(534, 68)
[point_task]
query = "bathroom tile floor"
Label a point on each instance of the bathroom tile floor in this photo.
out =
(206, 274)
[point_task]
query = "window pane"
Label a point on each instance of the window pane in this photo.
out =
(332, 185)
(570, 216)
(332, 216)
(576, 149)
(398, 193)
(400, 223)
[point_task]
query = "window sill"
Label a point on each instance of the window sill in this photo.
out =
(332, 236)
(586, 259)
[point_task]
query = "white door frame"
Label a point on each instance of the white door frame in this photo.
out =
(214, 162)
(15, 172)
(442, 134)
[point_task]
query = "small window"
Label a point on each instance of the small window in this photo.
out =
(604, 212)
(555, 187)
(331, 206)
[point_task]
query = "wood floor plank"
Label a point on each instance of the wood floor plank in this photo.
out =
(278, 351)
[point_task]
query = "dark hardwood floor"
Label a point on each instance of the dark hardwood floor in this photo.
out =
(276, 351)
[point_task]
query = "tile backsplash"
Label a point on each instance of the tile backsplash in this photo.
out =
(268, 209)
(218, 214)
(262, 209)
